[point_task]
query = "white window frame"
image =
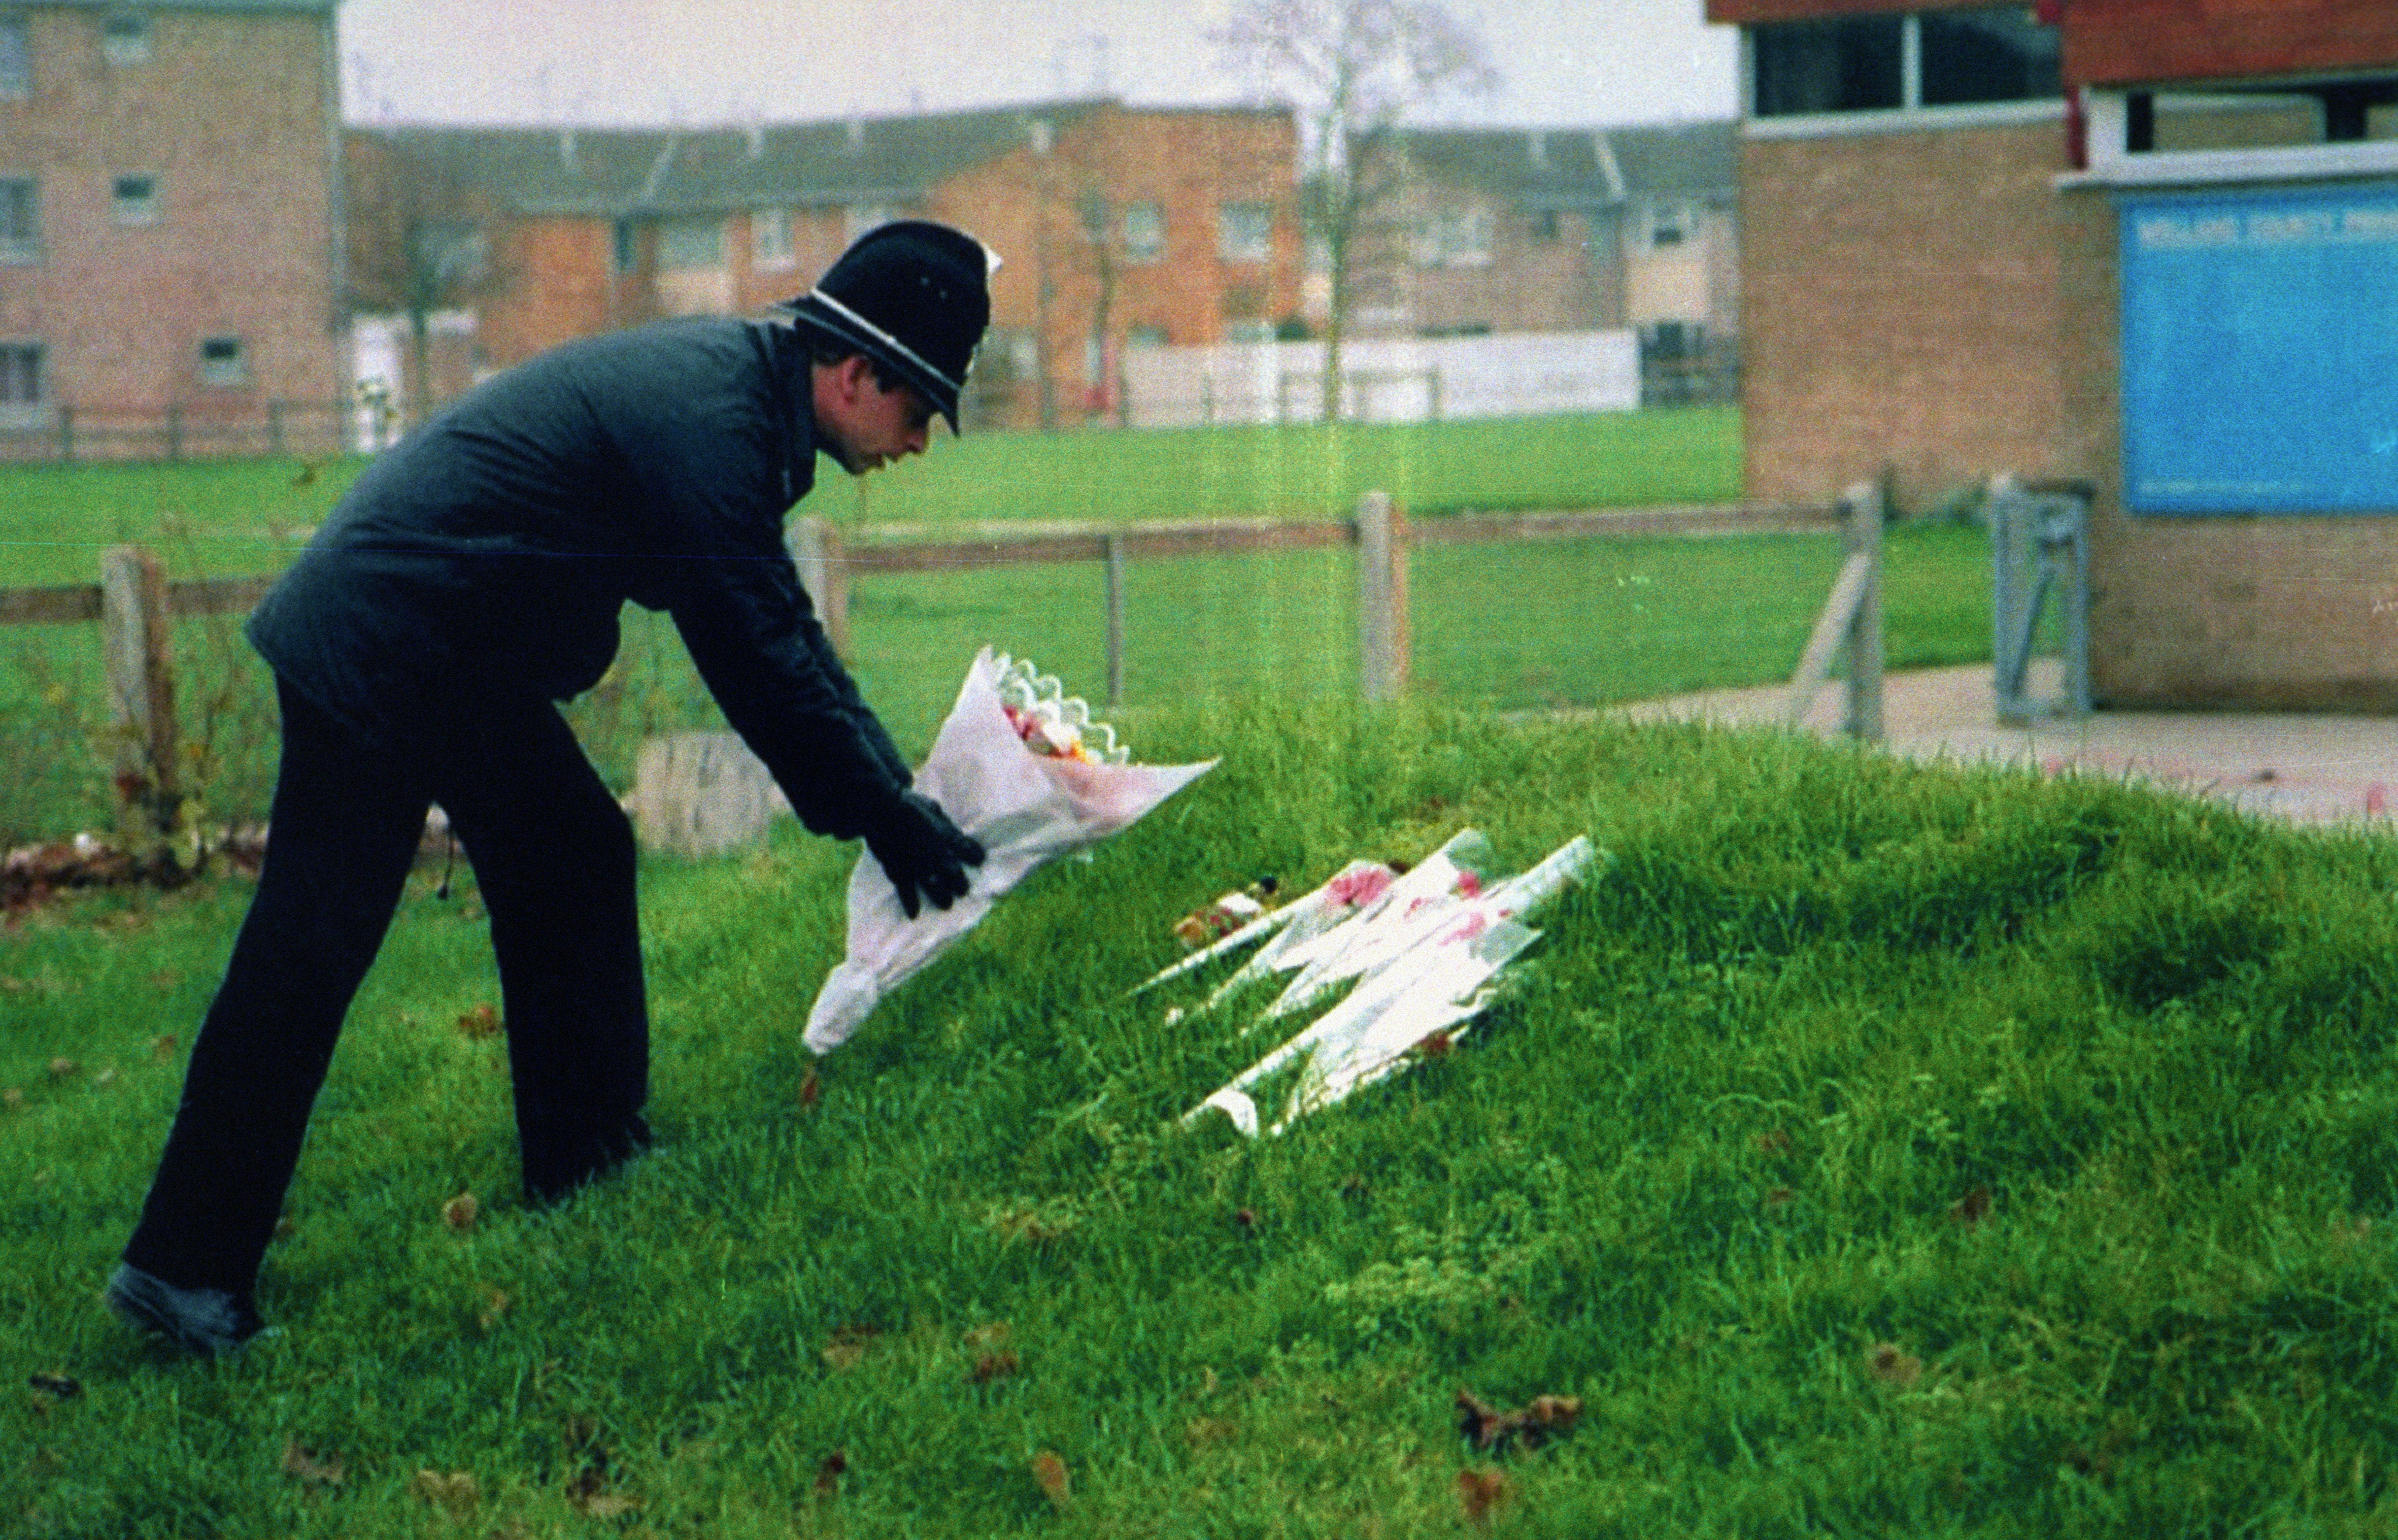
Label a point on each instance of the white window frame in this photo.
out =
(771, 246)
(1678, 215)
(24, 250)
(1252, 248)
(1144, 231)
(697, 231)
(1456, 238)
(133, 211)
(125, 36)
(229, 372)
(859, 219)
(2114, 163)
(36, 412)
(1910, 115)
(18, 28)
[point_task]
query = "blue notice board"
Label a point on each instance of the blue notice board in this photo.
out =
(2260, 350)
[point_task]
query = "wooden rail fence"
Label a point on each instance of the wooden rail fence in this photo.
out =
(134, 605)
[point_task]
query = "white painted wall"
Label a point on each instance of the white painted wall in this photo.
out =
(1404, 380)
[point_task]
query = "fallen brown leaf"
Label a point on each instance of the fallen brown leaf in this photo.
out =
(994, 1366)
(1050, 1471)
(828, 1476)
(311, 1468)
(481, 1022)
(848, 1347)
(1533, 1424)
(1971, 1208)
(57, 1386)
(1481, 1492)
(1887, 1362)
(455, 1493)
(13, 1098)
(460, 1212)
(811, 1089)
(162, 1047)
(62, 1069)
(496, 1307)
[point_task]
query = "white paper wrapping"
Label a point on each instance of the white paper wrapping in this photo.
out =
(1027, 807)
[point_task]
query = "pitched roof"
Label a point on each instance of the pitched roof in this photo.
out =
(1580, 167)
(304, 8)
(619, 171)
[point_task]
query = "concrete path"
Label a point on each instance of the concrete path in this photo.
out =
(2310, 770)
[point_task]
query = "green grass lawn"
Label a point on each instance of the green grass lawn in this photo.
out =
(1508, 626)
(241, 518)
(1872, 1150)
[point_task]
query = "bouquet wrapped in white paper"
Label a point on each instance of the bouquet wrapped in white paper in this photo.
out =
(1019, 765)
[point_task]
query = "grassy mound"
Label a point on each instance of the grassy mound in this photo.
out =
(1874, 1149)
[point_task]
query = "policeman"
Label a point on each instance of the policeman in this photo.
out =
(472, 579)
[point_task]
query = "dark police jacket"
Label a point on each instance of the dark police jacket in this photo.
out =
(488, 556)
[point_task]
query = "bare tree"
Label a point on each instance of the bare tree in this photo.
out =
(420, 243)
(1348, 70)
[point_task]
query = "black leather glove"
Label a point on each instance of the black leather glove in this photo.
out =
(923, 853)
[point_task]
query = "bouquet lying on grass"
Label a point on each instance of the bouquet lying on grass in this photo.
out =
(1423, 948)
(1019, 765)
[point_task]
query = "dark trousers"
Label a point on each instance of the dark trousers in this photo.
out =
(554, 859)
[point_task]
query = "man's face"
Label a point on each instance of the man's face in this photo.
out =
(863, 424)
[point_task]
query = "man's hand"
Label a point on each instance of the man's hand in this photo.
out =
(923, 853)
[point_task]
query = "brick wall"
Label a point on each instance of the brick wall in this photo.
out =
(230, 115)
(1900, 309)
(2120, 42)
(556, 277)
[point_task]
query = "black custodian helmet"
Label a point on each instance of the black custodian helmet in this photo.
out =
(913, 296)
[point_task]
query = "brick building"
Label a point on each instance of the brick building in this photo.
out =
(168, 207)
(2150, 245)
(1499, 229)
(1555, 230)
(1122, 227)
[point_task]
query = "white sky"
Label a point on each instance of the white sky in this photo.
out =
(1561, 62)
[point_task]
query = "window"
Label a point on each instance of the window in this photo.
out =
(1849, 65)
(1455, 238)
(134, 200)
(859, 218)
(1669, 226)
(2001, 54)
(1244, 233)
(691, 243)
(124, 38)
(16, 57)
(21, 220)
(452, 254)
(223, 361)
(628, 246)
(770, 240)
(1143, 337)
(1544, 224)
(1144, 231)
(24, 392)
(1973, 56)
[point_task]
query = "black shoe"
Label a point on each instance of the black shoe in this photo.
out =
(207, 1321)
(557, 1180)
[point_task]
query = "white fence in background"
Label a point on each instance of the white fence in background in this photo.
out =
(1404, 380)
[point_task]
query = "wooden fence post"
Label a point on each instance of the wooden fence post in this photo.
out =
(140, 682)
(1865, 506)
(1382, 641)
(1851, 622)
(824, 573)
(1115, 563)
